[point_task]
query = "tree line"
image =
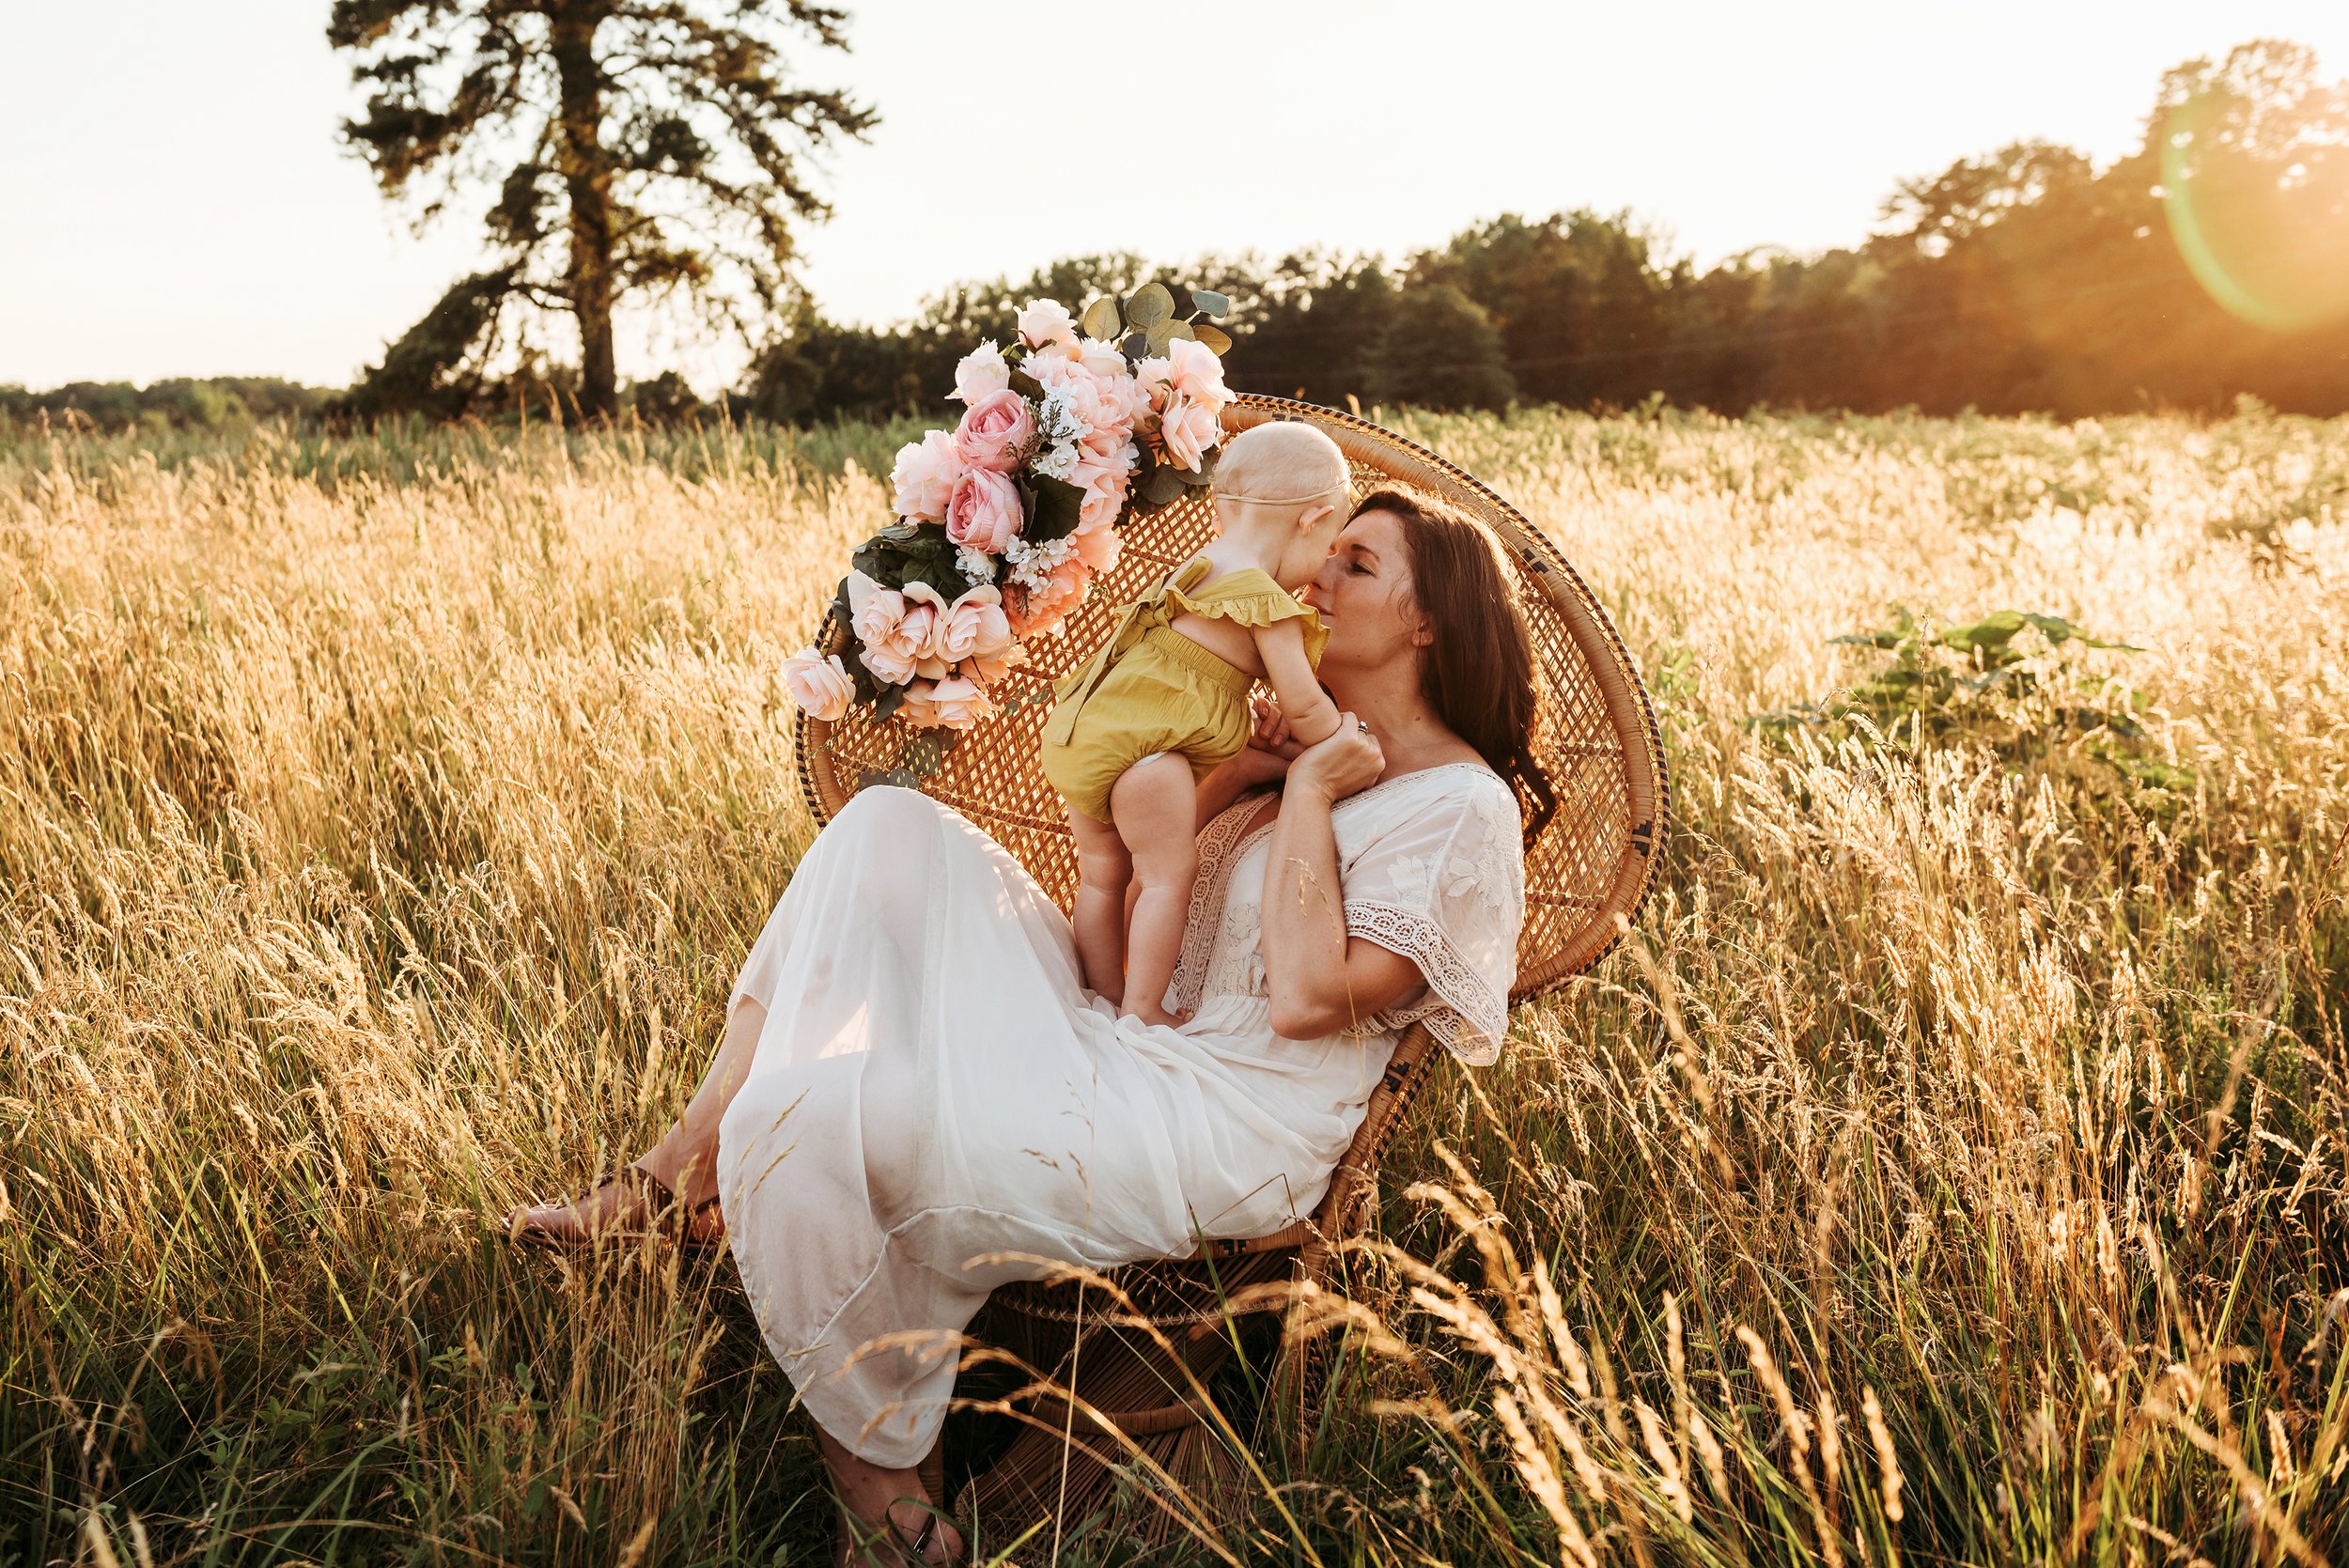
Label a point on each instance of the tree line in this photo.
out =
(2209, 264)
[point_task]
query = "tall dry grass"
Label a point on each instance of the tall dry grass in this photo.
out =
(1950, 1169)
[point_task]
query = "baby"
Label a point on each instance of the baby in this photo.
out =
(1164, 701)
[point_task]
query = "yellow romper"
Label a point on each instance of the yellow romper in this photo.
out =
(1149, 689)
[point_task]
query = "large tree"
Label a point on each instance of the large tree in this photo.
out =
(633, 148)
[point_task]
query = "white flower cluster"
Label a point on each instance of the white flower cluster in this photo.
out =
(1060, 433)
(1030, 562)
(975, 565)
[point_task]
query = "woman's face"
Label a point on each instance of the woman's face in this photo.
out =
(1363, 592)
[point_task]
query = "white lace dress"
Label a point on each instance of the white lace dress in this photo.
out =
(936, 1106)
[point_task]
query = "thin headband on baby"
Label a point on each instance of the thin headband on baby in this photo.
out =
(1280, 500)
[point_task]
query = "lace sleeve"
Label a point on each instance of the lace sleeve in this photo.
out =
(1445, 887)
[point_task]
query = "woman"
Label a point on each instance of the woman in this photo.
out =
(916, 1101)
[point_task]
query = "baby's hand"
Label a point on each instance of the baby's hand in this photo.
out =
(1269, 731)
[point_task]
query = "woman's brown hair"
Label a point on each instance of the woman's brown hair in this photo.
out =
(1478, 674)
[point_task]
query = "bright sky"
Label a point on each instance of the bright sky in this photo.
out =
(173, 200)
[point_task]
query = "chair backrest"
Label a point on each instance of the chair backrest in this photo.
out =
(1600, 747)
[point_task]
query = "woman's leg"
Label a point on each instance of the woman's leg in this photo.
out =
(685, 1161)
(894, 1500)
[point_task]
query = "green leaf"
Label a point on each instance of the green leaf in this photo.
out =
(1204, 472)
(900, 777)
(1150, 305)
(1214, 338)
(1164, 484)
(1057, 507)
(1160, 336)
(1026, 385)
(1179, 329)
(892, 699)
(1208, 301)
(1137, 346)
(1102, 320)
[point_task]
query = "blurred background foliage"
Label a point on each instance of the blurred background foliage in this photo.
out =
(2203, 266)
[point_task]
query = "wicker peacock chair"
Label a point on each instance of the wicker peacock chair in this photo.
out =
(1591, 866)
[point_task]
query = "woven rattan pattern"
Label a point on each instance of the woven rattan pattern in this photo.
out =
(1600, 746)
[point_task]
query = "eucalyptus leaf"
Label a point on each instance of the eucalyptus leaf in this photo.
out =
(1102, 320)
(892, 699)
(1180, 329)
(926, 753)
(1137, 346)
(1150, 305)
(1214, 338)
(1160, 336)
(1209, 302)
(1025, 384)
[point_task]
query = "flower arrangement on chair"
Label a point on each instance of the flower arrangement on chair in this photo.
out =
(1003, 522)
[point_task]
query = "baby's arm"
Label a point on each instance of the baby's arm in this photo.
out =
(1313, 718)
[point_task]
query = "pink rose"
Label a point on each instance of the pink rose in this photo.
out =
(895, 628)
(1151, 378)
(1098, 548)
(1104, 360)
(1104, 485)
(982, 371)
(820, 685)
(1040, 610)
(954, 703)
(995, 431)
(1193, 370)
(924, 476)
(1043, 321)
(984, 512)
(923, 625)
(1187, 431)
(975, 627)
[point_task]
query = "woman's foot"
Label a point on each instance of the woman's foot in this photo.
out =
(630, 1202)
(911, 1533)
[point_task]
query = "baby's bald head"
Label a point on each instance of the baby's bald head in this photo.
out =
(1282, 463)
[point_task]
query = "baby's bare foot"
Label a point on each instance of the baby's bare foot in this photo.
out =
(1150, 1013)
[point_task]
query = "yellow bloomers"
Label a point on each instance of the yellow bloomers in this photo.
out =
(1149, 689)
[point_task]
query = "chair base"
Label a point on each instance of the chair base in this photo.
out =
(1161, 1406)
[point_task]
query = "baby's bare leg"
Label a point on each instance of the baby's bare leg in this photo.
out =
(1098, 920)
(1154, 801)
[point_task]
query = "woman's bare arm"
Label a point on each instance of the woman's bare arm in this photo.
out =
(1319, 979)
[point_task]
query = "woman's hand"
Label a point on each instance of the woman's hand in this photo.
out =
(1347, 761)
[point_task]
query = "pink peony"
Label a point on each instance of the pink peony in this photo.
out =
(1152, 378)
(1187, 431)
(924, 476)
(982, 371)
(996, 431)
(984, 512)
(1193, 370)
(954, 704)
(1043, 321)
(820, 685)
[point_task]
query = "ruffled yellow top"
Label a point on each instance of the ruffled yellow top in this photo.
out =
(1150, 689)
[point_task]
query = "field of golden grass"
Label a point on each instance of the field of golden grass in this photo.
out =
(1951, 1170)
